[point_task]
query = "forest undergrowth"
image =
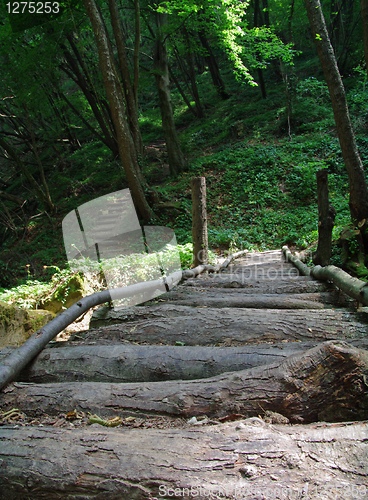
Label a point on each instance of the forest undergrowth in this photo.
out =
(259, 161)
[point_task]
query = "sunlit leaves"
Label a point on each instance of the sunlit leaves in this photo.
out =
(225, 22)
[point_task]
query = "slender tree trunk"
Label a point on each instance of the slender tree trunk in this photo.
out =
(115, 98)
(213, 67)
(136, 50)
(83, 120)
(182, 93)
(131, 103)
(91, 98)
(195, 93)
(86, 73)
(358, 202)
(161, 70)
(364, 13)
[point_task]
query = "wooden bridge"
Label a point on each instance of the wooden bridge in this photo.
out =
(247, 383)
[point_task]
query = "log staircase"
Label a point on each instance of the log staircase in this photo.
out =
(247, 383)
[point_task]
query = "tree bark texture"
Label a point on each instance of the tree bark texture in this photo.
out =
(144, 363)
(217, 299)
(114, 94)
(129, 94)
(199, 221)
(161, 70)
(327, 382)
(326, 221)
(245, 459)
(358, 202)
(259, 285)
(170, 323)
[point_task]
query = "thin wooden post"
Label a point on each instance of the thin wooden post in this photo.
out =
(199, 221)
(326, 220)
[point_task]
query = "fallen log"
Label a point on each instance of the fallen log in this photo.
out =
(245, 459)
(328, 382)
(144, 363)
(171, 323)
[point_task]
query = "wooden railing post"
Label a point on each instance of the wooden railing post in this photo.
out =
(199, 221)
(326, 220)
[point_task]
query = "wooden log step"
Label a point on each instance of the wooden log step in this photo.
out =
(145, 363)
(169, 323)
(244, 264)
(243, 459)
(213, 297)
(326, 383)
(299, 284)
(245, 279)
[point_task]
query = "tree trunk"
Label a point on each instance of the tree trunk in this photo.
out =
(115, 98)
(245, 459)
(79, 79)
(326, 221)
(213, 67)
(327, 382)
(193, 83)
(364, 14)
(358, 202)
(182, 93)
(137, 40)
(131, 103)
(170, 323)
(199, 221)
(161, 70)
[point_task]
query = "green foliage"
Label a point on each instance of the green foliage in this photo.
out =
(27, 295)
(313, 88)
